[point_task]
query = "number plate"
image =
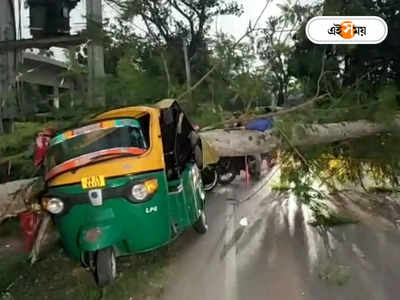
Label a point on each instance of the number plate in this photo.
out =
(93, 182)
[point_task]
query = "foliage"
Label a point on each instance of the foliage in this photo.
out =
(20, 140)
(235, 83)
(135, 85)
(156, 48)
(275, 43)
(302, 174)
(171, 23)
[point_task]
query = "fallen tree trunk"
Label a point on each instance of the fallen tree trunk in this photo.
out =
(44, 224)
(244, 142)
(15, 196)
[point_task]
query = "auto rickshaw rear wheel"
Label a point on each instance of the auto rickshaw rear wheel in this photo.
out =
(254, 162)
(226, 171)
(201, 224)
(106, 267)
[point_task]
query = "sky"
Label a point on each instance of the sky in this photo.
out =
(235, 26)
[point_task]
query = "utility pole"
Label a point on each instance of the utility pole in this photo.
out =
(187, 68)
(8, 62)
(94, 15)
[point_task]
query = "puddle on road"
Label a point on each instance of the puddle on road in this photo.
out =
(274, 241)
(273, 233)
(291, 218)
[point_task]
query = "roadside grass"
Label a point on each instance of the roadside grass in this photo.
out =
(335, 274)
(18, 149)
(10, 227)
(20, 139)
(56, 276)
(332, 220)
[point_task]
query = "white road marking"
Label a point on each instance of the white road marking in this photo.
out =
(292, 212)
(230, 258)
(314, 240)
(231, 255)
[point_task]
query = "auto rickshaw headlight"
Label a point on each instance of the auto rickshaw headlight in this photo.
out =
(142, 191)
(139, 192)
(53, 205)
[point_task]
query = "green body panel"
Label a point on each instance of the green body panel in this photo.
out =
(112, 233)
(130, 227)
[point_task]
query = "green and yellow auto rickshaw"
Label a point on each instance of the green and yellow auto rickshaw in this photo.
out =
(127, 182)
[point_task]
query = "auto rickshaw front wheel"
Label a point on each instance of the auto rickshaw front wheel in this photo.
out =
(209, 176)
(201, 224)
(106, 267)
(198, 156)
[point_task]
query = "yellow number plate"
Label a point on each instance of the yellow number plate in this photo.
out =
(93, 182)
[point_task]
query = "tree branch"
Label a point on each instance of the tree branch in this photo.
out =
(191, 7)
(273, 114)
(205, 76)
(189, 18)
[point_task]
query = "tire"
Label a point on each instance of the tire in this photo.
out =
(254, 163)
(201, 226)
(226, 172)
(106, 270)
(87, 261)
(194, 139)
(226, 178)
(198, 156)
(209, 177)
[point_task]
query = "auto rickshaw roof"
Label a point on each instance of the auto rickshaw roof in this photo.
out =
(135, 111)
(132, 112)
(166, 103)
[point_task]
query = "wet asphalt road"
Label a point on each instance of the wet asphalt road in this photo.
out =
(260, 246)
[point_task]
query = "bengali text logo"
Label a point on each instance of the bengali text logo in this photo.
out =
(346, 30)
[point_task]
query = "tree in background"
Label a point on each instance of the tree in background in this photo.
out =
(275, 45)
(170, 26)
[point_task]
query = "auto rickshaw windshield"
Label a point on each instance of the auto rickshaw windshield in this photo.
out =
(94, 139)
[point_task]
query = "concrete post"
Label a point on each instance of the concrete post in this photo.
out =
(1, 124)
(7, 66)
(95, 53)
